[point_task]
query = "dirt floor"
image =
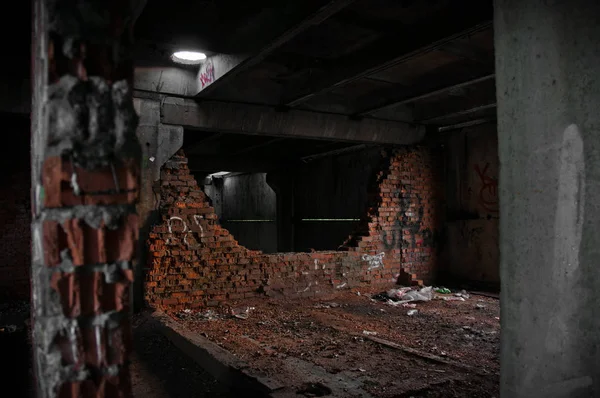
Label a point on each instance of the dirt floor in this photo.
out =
(447, 349)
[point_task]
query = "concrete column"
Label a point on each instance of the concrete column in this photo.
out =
(283, 185)
(548, 89)
(158, 143)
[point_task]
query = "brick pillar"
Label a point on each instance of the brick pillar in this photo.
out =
(85, 183)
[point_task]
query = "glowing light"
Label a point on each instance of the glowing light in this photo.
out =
(188, 57)
(219, 174)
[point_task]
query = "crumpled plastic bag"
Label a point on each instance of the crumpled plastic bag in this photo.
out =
(424, 294)
(397, 294)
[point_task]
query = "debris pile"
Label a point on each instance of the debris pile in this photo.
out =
(405, 295)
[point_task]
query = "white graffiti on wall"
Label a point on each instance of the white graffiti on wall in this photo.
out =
(185, 231)
(374, 261)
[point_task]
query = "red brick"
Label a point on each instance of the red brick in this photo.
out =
(90, 284)
(54, 241)
(94, 342)
(56, 180)
(74, 234)
(121, 243)
(69, 389)
(66, 286)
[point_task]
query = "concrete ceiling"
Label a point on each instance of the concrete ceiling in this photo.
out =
(385, 59)
(396, 65)
(420, 64)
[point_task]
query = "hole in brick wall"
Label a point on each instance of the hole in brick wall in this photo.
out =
(246, 206)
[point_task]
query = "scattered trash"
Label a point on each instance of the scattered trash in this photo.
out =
(209, 315)
(497, 318)
(361, 370)
(397, 294)
(443, 290)
(327, 305)
(424, 294)
(439, 370)
(480, 306)
(409, 305)
(358, 293)
(412, 312)
(241, 313)
(452, 298)
(368, 333)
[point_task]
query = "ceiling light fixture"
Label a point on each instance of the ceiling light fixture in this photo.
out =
(219, 174)
(188, 57)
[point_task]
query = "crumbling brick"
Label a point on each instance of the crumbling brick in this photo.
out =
(196, 262)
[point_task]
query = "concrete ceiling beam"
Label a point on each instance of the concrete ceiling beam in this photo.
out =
(392, 50)
(251, 164)
(263, 120)
(428, 89)
(165, 80)
(222, 68)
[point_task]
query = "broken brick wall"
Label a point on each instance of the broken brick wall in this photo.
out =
(195, 262)
(406, 216)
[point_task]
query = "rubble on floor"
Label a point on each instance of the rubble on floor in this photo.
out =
(357, 338)
(402, 296)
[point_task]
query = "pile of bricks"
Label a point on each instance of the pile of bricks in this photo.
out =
(194, 262)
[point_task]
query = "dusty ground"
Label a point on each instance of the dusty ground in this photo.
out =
(355, 338)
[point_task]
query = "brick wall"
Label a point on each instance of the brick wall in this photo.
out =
(15, 235)
(194, 262)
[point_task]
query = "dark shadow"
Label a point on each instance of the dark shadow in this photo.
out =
(374, 200)
(16, 366)
(144, 252)
(178, 375)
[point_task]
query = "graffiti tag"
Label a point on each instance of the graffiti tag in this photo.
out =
(207, 73)
(488, 194)
(374, 261)
(185, 230)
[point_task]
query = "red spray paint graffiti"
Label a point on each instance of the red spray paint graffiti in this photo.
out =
(207, 75)
(488, 194)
